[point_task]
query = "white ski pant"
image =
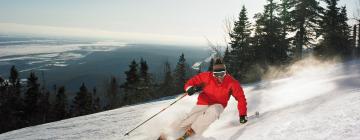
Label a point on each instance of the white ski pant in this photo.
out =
(201, 116)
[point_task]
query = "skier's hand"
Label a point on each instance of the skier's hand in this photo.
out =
(243, 119)
(193, 90)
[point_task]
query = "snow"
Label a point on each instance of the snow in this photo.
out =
(320, 100)
(33, 48)
(51, 52)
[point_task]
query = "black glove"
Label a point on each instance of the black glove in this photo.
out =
(243, 119)
(193, 90)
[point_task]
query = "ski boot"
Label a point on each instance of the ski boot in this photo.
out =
(162, 137)
(190, 132)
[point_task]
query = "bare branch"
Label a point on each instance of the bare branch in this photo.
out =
(215, 49)
(228, 26)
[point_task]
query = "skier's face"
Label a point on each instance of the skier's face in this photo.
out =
(219, 73)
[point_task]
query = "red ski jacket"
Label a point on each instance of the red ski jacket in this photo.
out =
(215, 92)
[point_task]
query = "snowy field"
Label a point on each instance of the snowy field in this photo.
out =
(320, 100)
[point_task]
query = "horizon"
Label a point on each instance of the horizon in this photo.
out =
(156, 22)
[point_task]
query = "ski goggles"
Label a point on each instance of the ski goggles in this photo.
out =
(219, 73)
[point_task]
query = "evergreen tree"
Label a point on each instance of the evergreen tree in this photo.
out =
(358, 44)
(55, 89)
(11, 103)
(286, 16)
(32, 96)
(167, 85)
(241, 32)
(15, 101)
(14, 82)
(5, 109)
(131, 83)
(144, 74)
(3, 91)
(226, 59)
(241, 54)
(145, 86)
(345, 33)
(269, 41)
(44, 107)
(2, 81)
(82, 103)
(132, 77)
(286, 19)
(180, 74)
(96, 104)
(258, 39)
(306, 13)
(3, 88)
(60, 109)
(112, 93)
(96, 107)
(335, 31)
(272, 35)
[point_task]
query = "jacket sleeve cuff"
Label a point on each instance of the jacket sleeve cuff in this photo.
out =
(187, 88)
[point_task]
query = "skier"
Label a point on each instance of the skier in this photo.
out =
(215, 89)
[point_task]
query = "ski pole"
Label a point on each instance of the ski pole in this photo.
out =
(182, 96)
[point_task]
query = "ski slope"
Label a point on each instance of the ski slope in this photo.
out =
(320, 100)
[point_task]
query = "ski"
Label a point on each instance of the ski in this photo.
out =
(251, 117)
(255, 115)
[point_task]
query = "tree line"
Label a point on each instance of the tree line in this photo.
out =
(27, 104)
(285, 32)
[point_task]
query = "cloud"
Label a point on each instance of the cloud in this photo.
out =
(129, 37)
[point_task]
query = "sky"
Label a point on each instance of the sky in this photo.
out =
(190, 22)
